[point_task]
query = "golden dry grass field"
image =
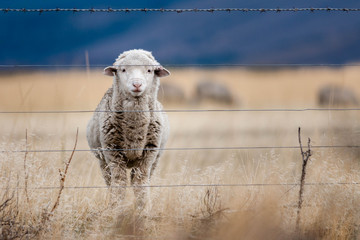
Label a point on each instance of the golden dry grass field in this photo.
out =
(250, 210)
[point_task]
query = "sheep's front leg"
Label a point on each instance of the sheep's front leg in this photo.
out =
(140, 176)
(154, 165)
(118, 178)
(105, 170)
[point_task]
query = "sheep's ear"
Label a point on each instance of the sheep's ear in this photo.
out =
(161, 72)
(110, 71)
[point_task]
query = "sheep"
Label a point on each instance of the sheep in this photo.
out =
(129, 117)
(336, 95)
(171, 93)
(213, 91)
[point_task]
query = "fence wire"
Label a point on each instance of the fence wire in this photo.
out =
(186, 65)
(183, 110)
(177, 149)
(194, 185)
(179, 10)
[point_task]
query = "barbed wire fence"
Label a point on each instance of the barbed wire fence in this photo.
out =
(26, 151)
(178, 10)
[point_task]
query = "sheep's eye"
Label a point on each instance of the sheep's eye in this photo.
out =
(149, 71)
(123, 70)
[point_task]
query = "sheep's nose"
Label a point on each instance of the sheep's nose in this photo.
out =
(137, 85)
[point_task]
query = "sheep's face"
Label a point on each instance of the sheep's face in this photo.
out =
(136, 80)
(136, 71)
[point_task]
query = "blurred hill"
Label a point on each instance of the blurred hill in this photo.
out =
(228, 38)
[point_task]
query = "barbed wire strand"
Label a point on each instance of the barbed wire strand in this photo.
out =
(195, 185)
(178, 149)
(179, 10)
(183, 110)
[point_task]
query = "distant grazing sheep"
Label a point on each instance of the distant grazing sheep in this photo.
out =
(336, 95)
(171, 93)
(129, 118)
(213, 91)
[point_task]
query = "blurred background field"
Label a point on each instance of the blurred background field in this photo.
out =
(190, 212)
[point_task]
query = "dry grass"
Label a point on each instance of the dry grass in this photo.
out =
(255, 212)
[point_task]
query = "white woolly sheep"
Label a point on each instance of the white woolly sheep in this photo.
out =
(171, 93)
(129, 117)
(336, 95)
(213, 91)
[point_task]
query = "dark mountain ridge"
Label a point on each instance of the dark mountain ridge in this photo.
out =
(191, 38)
